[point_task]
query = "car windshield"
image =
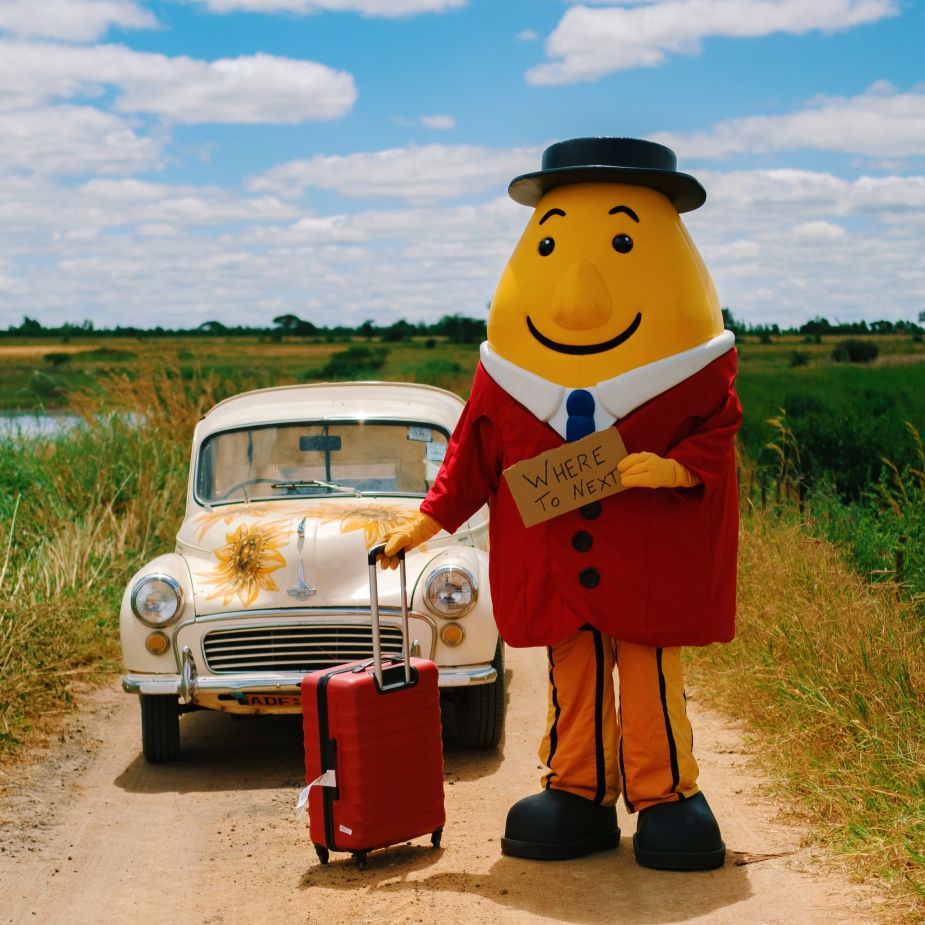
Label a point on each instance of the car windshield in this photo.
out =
(320, 458)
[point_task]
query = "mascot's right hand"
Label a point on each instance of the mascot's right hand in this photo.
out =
(406, 537)
(648, 470)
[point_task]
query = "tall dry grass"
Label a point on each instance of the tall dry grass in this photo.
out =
(828, 671)
(78, 514)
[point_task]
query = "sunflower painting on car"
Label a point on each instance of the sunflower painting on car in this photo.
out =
(246, 562)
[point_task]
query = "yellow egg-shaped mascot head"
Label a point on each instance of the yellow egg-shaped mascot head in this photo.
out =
(605, 278)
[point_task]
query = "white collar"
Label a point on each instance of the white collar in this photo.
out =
(614, 398)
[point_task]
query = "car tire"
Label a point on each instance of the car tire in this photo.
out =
(160, 727)
(480, 713)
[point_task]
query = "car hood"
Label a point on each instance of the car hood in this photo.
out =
(292, 553)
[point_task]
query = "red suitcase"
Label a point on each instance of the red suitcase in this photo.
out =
(373, 747)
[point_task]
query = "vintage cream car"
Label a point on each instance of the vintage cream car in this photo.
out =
(288, 488)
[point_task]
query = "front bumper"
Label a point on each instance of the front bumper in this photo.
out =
(190, 687)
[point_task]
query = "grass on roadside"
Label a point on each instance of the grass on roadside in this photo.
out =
(828, 672)
(78, 514)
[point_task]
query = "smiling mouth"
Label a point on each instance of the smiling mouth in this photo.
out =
(584, 349)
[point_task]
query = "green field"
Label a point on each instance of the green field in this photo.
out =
(844, 416)
(40, 374)
(862, 408)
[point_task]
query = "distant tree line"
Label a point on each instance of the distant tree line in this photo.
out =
(456, 328)
(817, 327)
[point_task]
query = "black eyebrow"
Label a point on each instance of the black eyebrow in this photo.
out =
(552, 212)
(627, 210)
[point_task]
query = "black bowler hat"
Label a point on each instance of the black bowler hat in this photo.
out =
(610, 160)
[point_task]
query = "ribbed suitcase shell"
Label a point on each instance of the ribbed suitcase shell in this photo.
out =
(387, 754)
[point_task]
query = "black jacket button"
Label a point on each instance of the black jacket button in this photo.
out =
(589, 577)
(582, 541)
(591, 511)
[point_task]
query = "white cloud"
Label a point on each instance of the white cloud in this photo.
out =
(425, 173)
(782, 245)
(412, 263)
(527, 35)
(749, 197)
(257, 88)
(877, 123)
(37, 213)
(820, 231)
(254, 89)
(438, 123)
(383, 8)
(74, 140)
(72, 20)
(589, 43)
(435, 122)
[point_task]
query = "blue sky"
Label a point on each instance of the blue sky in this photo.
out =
(179, 161)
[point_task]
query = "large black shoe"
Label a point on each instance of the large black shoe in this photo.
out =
(553, 825)
(679, 836)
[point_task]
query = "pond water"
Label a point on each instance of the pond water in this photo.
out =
(32, 424)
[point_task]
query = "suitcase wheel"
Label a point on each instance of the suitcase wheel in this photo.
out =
(323, 853)
(360, 858)
(435, 837)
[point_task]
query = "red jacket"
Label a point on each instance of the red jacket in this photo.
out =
(660, 568)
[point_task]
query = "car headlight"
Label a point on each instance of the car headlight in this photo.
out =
(156, 600)
(450, 592)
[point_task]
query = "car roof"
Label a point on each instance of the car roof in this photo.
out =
(315, 401)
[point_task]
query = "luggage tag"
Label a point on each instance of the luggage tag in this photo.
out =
(328, 779)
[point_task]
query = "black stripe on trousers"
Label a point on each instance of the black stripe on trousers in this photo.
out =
(599, 717)
(626, 789)
(672, 748)
(553, 734)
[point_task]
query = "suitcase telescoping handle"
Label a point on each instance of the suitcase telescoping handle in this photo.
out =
(374, 554)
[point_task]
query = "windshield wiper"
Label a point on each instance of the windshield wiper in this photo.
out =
(317, 483)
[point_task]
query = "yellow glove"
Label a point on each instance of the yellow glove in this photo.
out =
(646, 470)
(406, 537)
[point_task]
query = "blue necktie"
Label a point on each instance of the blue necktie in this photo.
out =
(580, 408)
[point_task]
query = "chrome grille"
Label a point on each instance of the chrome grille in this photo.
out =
(294, 648)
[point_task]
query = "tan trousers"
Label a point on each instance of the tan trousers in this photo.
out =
(597, 749)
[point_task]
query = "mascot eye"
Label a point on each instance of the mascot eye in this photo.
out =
(622, 243)
(547, 246)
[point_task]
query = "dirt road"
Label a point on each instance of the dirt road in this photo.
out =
(91, 834)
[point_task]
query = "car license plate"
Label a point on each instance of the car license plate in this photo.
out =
(270, 700)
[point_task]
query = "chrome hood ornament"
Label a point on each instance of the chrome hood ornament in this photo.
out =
(301, 590)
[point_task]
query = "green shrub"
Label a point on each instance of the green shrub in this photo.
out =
(884, 528)
(398, 332)
(798, 358)
(108, 354)
(835, 444)
(439, 372)
(855, 351)
(355, 362)
(57, 359)
(45, 388)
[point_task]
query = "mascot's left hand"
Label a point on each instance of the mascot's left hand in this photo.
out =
(646, 470)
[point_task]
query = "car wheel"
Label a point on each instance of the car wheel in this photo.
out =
(160, 727)
(481, 722)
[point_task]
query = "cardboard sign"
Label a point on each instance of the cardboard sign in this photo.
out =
(567, 477)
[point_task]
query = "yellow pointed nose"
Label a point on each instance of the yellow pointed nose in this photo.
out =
(581, 300)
